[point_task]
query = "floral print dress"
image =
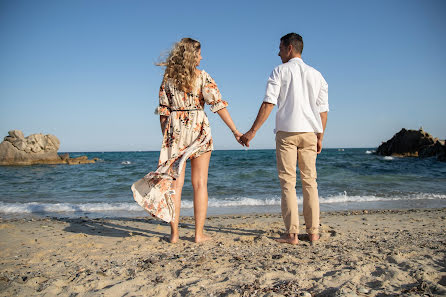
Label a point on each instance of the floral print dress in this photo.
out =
(187, 135)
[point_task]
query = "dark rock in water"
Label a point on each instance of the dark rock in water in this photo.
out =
(438, 150)
(34, 149)
(441, 154)
(413, 143)
(406, 143)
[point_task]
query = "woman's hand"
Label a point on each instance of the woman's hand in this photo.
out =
(224, 114)
(237, 136)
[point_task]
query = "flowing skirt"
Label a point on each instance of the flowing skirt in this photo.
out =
(182, 140)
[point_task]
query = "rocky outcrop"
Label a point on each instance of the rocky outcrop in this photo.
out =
(34, 149)
(413, 143)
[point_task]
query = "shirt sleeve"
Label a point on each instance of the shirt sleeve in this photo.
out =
(322, 99)
(273, 87)
(164, 105)
(212, 95)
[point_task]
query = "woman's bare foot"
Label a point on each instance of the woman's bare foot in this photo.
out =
(174, 238)
(288, 238)
(202, 238)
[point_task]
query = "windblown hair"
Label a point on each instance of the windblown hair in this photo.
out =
(181, 64)
(295, 40)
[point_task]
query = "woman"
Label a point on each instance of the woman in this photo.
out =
(186, 135)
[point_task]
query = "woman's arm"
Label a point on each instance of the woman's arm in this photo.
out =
(224, 115)
(163, 121)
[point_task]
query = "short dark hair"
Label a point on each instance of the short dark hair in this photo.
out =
(295, 40)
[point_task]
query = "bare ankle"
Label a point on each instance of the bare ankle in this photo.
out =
(290, 238)
(201, 238)
(174, 237)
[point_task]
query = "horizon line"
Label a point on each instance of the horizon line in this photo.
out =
(254, 149)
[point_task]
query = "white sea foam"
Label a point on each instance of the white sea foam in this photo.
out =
(388, 158)
(126, 162)
(369, 152)
(344, 197)
(235, 202)
(35, 207)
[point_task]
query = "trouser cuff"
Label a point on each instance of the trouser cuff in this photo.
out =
(313, 231)
(294, 230)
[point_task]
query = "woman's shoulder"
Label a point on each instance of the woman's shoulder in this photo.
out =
(202, 76)
(205, 77)
(201, 72)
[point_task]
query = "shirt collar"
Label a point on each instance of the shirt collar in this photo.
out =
(296, 59)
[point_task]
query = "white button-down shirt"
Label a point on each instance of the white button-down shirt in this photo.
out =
(301, 93)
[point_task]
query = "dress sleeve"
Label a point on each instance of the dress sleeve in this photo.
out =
(212, 95)
(164, 105)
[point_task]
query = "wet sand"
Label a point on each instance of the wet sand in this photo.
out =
(361, 253)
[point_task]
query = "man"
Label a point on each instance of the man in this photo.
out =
(301, 95)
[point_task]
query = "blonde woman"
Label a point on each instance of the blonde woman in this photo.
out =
(186, 135)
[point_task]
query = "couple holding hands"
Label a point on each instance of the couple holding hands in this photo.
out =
(301, 95)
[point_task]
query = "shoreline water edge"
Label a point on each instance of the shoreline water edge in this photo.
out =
(239, 182)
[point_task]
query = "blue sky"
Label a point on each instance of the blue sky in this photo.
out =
(84, 70)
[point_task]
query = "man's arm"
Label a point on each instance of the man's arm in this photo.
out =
(262, 116)
(320, 136)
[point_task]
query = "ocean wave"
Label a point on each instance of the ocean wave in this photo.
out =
(369, 152)
(35, 207)
(344, 197)
(126, 162)
(235, 202)
(388, 158)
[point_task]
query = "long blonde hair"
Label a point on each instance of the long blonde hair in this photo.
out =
(181, 64)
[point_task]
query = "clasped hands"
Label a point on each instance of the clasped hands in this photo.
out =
(244, 139)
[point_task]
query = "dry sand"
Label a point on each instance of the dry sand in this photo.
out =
(363, 253)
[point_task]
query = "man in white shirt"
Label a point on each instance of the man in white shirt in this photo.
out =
(301, 95)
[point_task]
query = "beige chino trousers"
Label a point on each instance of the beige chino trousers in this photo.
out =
(301, 148)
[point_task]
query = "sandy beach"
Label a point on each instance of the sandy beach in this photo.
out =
(361, 253)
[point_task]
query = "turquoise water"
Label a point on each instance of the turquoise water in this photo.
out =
(240, 181)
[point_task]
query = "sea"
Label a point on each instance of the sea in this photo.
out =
(240, 182)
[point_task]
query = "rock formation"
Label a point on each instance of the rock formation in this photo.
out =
(413, 143)
(34, 149)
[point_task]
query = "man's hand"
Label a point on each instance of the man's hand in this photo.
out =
(247, 137)
(320, 136)
(319, 145)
